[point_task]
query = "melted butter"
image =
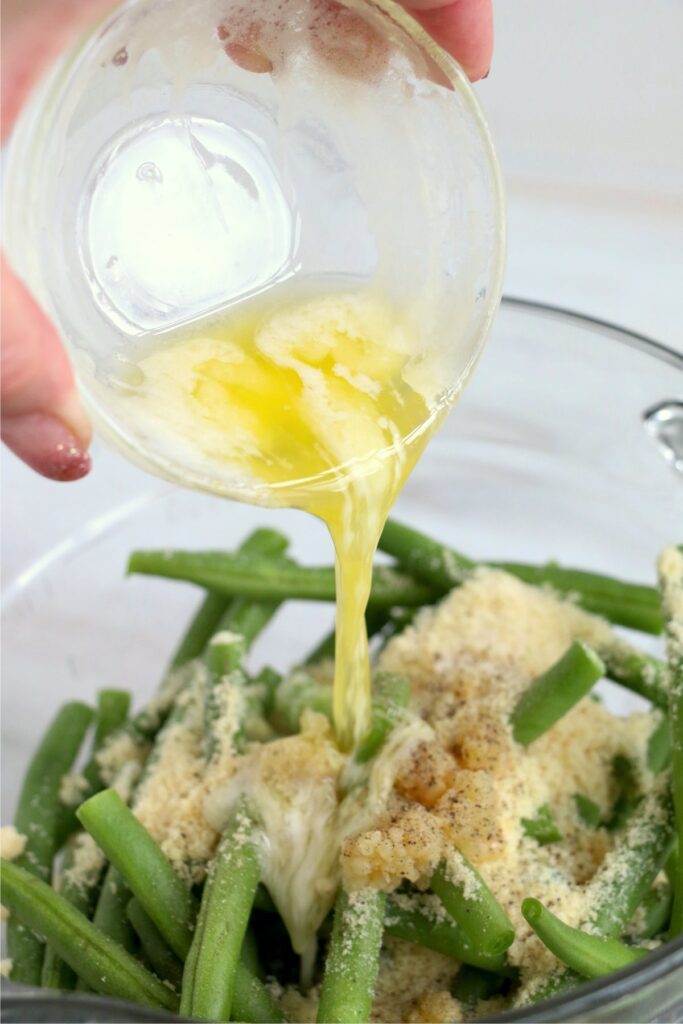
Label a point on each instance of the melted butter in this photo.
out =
(313, 403)
(309, 798)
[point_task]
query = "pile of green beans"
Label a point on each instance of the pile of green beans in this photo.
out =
(135, 930)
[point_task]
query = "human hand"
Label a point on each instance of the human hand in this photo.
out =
(41, 416)
(463, 27)
(42, 419)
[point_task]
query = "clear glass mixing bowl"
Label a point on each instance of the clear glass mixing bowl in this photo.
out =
(563, 446)
(189, 156)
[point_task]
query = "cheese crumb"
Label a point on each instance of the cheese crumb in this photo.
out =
(12, 843)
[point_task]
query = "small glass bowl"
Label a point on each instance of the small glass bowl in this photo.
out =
(190, 156)
(556, 450)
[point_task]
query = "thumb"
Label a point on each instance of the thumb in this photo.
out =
(463, 27)
(42, 419)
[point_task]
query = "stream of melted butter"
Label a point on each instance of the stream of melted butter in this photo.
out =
(312, 399)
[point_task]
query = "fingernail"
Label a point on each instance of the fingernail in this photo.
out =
(70, 413)
(47, 445)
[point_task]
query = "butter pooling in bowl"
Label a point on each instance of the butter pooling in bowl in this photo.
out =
(280, 251)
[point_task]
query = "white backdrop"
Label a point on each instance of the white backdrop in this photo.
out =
(585, 101)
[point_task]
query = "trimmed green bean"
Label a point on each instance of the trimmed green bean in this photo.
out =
(251, 1000)
(415, 919)
(627, 604)
(164, 961)
(294, 695)
(269, 680)
(249, 954)
(391, 694)
(352, 957)
(543, 827)
(145, 869)
(103, 965)
(659, 746)
(591, 956)
(588, 811)
(551, 695)
(270, 579)
(201, 629)
(627, 781)
(671, 589)
(39, 817)
(110, 913)
(629, 870)
(264, 579)
(627, 874)
(239, 626)
(110, 716)
(375, 620)
(482, 919)
(209, 975)
(654, 913)
(638, 672)
(81, 891)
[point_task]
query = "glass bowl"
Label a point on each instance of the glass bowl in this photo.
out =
(189, 157)
(563, 446)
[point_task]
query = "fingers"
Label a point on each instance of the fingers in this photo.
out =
(463, 27)
(42, 420)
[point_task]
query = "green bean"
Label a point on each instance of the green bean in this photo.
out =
(588, 811)
(659, 746)
(654, 913)
(104, 966)
(626, 875)
(640, 673)
(352, 957)
(112, 711)
(472, 905)
(295, 694)
(249, 955)
(391, 694)
(110, 913)
(375, 620)
(201, 629)
(271, 579)
(79, 886)
(145, 869)
(591, 956)
(472, 985)
(269, 680)
(242, 617)
(165, 963)
(627, 781)
(239, 626)
(418, 920)
(627, 604)
(555, 692)
(671, 588)
(543, 827)
(110, 716)
(264, 579)
(209, 976)
(39, 818)
(251, 1000)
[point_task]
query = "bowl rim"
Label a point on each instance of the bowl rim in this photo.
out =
(610, 329)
